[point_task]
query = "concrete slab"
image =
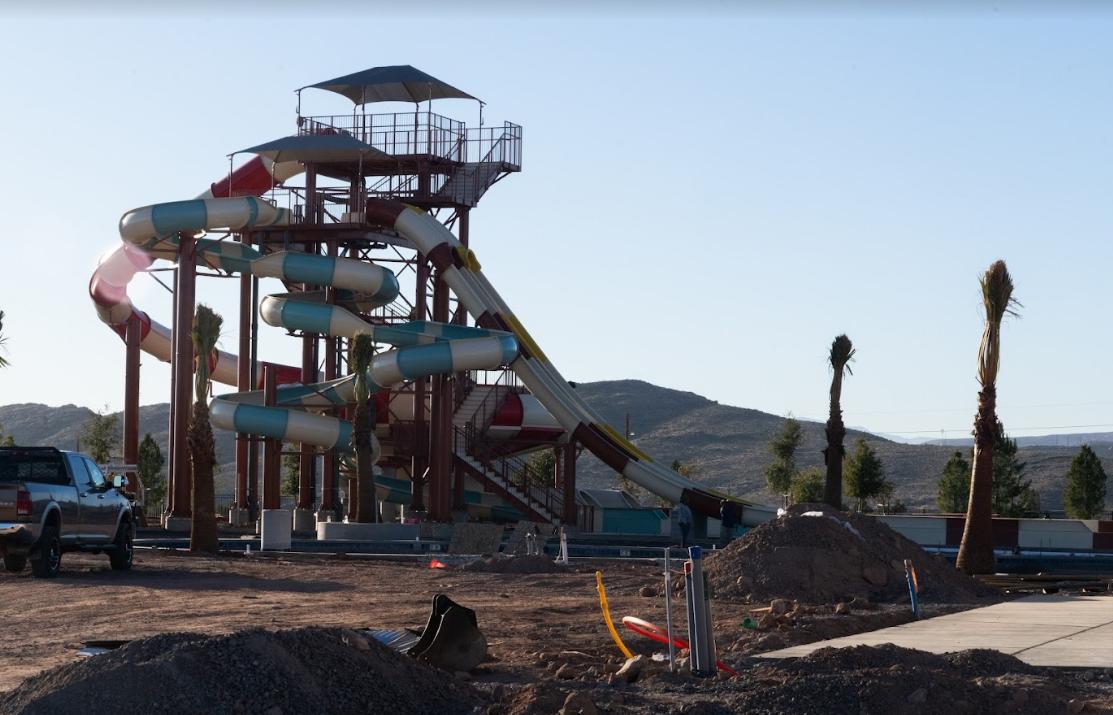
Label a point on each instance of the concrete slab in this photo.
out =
(1063, 631)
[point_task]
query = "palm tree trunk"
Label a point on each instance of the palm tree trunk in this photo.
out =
(975, 554)
(834, 452)
(365, 485)
(203, 533)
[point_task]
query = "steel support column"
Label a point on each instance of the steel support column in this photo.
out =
(568, 483)
(244, 382)
(440, 425)
(461, 318)
(181, 478)
(307, 462)
(421, 385)
(132, 338)
(328, 476)
(272, 448)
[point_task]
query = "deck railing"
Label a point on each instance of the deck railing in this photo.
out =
(425, 134)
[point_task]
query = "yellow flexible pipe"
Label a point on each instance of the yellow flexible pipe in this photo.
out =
(607, 615)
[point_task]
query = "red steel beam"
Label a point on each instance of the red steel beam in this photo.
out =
(181, 477)
(244, 382)
(272, 448)
(132, 337)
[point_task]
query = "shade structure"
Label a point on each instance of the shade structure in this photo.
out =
(317, 148)
(395, 83)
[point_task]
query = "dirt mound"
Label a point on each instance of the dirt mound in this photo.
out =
(818, 555)
(515, 564)
(888, 679)
(308, 670)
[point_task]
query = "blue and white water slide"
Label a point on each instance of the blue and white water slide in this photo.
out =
(421, 348)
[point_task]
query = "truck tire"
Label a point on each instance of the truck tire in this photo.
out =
(14, 563)
(121, 555)
(47, 559)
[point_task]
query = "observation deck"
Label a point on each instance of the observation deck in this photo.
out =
(427, 159)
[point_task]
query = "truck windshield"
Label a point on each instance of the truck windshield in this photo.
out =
(32, 466)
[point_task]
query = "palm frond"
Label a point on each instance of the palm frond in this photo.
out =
(3, 342)
(998, 300)
(842, 352)
(360, 356)
(206, 331)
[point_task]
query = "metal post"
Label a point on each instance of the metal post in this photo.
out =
(307, 462)
(420, 461)
(328, 478)
(703, 658)
(253, 444)
(668, 611)
(244, 383)
(184, 293)
(440, 438)
(132, 337)
(272, 447)
(568, 484)
(170, 491)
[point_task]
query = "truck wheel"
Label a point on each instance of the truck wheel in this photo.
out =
(47, 560)
(121, 556)
(14, 563)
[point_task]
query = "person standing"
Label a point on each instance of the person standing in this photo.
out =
(728, 519)
(683, 521)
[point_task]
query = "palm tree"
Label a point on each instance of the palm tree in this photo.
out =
(975, 554)
(363, 350)
(842, 352)
(3, 342)
(203, 536)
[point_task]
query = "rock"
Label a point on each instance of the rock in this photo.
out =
(772, 642)
(565, 672)
(631, 669)
(767, 621)
(778, 606)
(917, 696)
(1020, 696)
(462, 675)
(1076, 705)
(842, 609)
(860, 603)
(647, 591)
(876, 575)
(355, 640)
(578, 704)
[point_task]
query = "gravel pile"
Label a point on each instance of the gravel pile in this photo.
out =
(888, 679)
(515, 564)
(828, 557)
(308, 670)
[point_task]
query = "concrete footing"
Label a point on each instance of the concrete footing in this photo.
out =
(351, 531)
(238, 517)
(178, 524)
(276, 530)
(304, 521)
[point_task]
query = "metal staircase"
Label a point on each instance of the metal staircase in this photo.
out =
(509, 478)
(472, 179)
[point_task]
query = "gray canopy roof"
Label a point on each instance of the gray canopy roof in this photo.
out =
(395, 83)
(322, 148)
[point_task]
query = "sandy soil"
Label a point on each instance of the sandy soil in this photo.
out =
(547, 638)
(519, 613)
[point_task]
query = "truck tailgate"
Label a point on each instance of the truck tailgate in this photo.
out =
(7, 501)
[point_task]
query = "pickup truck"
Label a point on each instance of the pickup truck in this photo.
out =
(52, 502)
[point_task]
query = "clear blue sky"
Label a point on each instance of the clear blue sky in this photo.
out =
(706, 201)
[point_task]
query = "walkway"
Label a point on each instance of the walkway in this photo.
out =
(1064, 631)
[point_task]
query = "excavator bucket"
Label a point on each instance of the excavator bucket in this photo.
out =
(451, 639)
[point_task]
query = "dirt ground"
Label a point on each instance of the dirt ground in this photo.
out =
(546, 635)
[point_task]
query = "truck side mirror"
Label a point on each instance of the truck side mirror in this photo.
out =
(119, 481)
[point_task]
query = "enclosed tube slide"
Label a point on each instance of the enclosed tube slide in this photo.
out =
(422, 348)
(461, 270)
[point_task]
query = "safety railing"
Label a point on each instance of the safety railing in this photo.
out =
(424, 134)
(515, 476)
